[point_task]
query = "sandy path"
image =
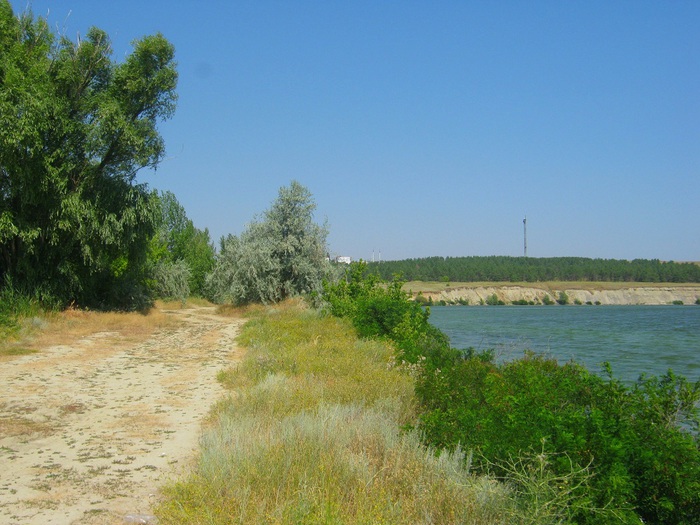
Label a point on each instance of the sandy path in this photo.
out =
(88, 432)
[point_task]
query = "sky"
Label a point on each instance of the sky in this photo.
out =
(431, 128)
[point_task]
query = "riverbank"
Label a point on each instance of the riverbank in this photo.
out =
(602, 293)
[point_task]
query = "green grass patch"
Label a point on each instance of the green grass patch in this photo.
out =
(16, 351)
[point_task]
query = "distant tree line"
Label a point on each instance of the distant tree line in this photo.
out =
(529, 269)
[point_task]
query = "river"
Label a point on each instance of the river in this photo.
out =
(634, 339)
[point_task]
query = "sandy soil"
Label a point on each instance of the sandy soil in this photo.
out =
(90, 430)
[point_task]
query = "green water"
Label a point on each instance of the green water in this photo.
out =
(634, 339)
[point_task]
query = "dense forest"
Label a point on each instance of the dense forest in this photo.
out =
(529, 269)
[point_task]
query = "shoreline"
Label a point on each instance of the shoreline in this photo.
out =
(606, 294)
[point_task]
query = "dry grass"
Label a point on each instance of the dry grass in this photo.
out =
(12, 349)
(18, 426)
(71, 325)
(311, 434)
(66, 327)
(179, 305)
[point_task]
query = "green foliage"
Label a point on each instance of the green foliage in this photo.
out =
(531, 269)
(16, 306)
(542, 495)
(640, 443)
(245, 270)
(177, 240)
(421, 299)
(281, 255)
(563, 298)
(575, 447)
(171, 280)
(547, 300)
(493, 300)
(380, 309)
(75, 128)
(523, 302)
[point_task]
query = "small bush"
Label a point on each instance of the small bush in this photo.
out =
(547, 300)
(16, 305)
(493, 300)
(171, 280)
(563, 298)
(421, 299)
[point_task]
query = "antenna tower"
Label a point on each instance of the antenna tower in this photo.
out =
(525, 235)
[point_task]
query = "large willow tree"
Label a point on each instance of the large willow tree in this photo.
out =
(75, 128)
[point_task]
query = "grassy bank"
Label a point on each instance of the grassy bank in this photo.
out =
(310, 433)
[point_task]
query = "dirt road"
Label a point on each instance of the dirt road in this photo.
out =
(90, 430)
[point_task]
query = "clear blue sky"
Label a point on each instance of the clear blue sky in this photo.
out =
(432, 127)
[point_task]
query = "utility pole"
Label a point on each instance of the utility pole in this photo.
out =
(525, 235)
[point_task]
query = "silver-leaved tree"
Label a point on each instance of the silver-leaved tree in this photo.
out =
(281, 254)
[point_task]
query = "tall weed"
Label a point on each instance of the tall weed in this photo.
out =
(15, 306)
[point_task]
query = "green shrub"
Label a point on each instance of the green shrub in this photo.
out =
(421, 299)
(547, 300)
(563, 298)
(171, 280)
(16, 304)
(640, 443)
(493, 300)
(379, 309)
